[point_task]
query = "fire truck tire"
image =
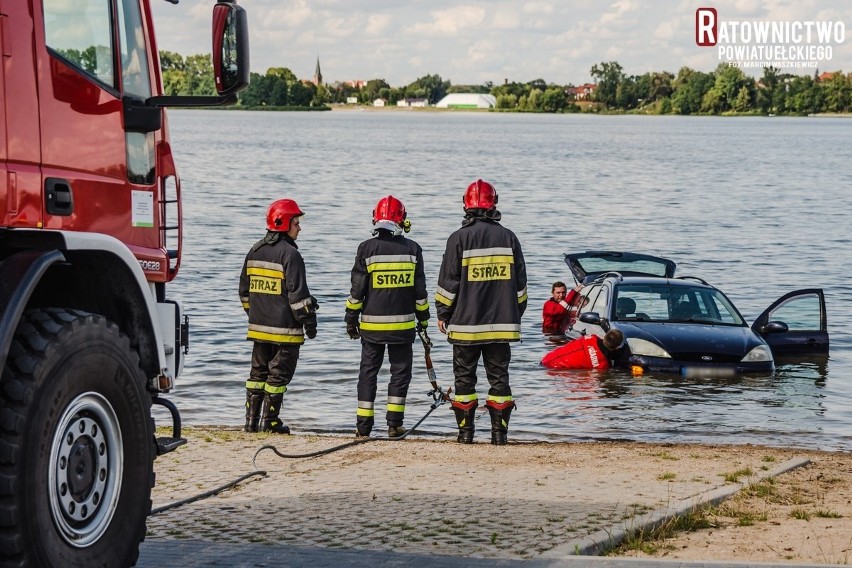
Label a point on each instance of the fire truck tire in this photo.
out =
(76, 444)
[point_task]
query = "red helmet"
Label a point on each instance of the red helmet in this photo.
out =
(280, 213)
(480, 195)
(389, 209)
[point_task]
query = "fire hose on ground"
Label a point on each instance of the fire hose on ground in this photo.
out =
(438, 395)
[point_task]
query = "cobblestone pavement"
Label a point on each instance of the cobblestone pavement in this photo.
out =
(423, 497)
(196, 554)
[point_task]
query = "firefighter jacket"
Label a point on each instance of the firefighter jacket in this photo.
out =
(274, 292)
(585, 352)
(388, 289)
(482, 284)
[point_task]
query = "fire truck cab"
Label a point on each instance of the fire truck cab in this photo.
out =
(90, 235)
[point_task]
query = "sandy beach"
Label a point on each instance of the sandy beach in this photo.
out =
(520, 501)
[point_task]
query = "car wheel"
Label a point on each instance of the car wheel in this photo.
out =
(76, 444)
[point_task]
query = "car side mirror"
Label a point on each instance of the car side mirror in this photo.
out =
(774, 327)
(592, 318)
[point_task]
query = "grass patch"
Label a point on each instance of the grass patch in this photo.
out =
(745, 515)
(823, 514)
(762, 490)
(667, 476)
(734, 476)
(664, 455)
(801, 514)
(652, 541)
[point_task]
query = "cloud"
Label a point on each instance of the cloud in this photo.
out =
(618, 10)
(451, 22)
(539, 8)
(472, 41)
(377, 24)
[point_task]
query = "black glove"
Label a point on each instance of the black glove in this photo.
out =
(352, 330)
(314, 303)
(311, 331)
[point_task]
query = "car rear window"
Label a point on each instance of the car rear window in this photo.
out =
(623, 266)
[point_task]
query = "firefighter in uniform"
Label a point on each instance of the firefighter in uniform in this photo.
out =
(389, 294)
(481, 296)
(281, 311)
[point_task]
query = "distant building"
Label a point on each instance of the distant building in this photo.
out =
(357, 83)
(379, 102)
(467, 100)
(352, 100)
(413, 103)
(583, 92)
(317, 80)
(827, 76)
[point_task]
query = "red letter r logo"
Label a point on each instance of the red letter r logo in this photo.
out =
(706, 25)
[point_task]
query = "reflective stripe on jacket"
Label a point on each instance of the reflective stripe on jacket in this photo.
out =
(275, 294)
(388, 289)
(482, 284)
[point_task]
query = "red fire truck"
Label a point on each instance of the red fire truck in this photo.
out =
(90, 234)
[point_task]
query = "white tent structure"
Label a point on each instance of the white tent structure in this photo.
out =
(467, 100)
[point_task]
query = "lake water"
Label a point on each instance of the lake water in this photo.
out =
(755, 206)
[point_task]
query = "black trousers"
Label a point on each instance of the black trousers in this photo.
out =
(372, 357)
(273, 364)
(496, 358)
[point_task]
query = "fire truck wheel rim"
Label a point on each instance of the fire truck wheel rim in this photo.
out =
(85, 469)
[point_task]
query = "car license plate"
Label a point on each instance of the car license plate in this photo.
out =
(702, 371)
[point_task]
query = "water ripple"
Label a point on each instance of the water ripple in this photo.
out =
(713, 194)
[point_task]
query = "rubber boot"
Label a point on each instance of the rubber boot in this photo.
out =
(269, 421)
(465, 414)
(254, 405)
(363, 426)
(396, 431)
(500, 413)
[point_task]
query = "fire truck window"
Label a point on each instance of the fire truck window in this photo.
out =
(134, 57)
(79, 31)
(140, 157)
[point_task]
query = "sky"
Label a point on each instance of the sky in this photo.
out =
(476, 41)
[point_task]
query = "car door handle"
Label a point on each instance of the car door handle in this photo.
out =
(58, 198)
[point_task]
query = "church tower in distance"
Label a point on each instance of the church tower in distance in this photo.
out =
(318, 74)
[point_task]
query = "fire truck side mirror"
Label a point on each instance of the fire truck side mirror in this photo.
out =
(138, 117)
(230, 48)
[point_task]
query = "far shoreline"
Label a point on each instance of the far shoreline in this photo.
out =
(345, 108)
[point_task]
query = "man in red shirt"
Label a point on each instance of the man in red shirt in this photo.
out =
(586, 352)
(554, 314)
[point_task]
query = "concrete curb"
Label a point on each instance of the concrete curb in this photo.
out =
(606, 539)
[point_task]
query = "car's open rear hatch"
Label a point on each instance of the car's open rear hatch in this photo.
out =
(586, 266)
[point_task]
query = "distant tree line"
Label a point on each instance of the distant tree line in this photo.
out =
(726, 90)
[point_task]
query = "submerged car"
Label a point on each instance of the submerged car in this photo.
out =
(683, 324)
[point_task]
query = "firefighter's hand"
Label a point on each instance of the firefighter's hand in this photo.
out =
(314, 304)
(311, 331)
(352, 330)
(442, 326)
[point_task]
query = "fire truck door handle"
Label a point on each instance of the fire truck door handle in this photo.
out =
(58, 198)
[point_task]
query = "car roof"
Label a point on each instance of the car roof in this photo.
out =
(652, 280)
(589, 265)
